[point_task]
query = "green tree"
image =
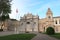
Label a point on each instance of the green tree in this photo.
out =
(5, 9)
(50, 31)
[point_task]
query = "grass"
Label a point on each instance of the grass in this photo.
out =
(56, 35)
(18, 37)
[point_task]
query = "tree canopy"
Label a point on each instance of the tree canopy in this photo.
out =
(50, 31)
(5, 6)
(5, 9)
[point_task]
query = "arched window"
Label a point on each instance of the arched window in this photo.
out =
(28, 22)
(49, 17)
(56, 21)
(44, 29)
(59, 21)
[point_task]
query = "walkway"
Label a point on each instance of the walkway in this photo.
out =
(6, 33)
(38, 37)
(43, 37)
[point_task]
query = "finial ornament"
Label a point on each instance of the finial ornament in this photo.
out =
(49, 11)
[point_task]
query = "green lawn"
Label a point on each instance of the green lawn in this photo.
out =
(57, 35)
(18, 37)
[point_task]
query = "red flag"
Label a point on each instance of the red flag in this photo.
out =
(16, 10)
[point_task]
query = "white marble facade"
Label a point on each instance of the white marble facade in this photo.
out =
(29, 23)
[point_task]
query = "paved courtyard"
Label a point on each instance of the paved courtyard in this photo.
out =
(6, 33)
(38, 37)
(43, 37)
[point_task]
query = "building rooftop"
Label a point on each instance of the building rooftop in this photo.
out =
(57, 17)
(13, 19)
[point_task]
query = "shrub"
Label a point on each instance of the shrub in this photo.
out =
(1, 30)
(40, 31)
(27, 32)
(50, 31)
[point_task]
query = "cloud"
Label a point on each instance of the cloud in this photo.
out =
(25, 6)
(43, 8)
(52, 4)
(33, 4)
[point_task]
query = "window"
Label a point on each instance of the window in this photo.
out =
(49, 17)
(28, 22)
(56, 21)
(44, 29)
(59, 21)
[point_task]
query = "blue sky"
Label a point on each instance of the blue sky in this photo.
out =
(36, 7)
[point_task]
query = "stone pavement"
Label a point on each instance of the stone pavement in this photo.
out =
(38, 37)
(6, 33)
(43, 37)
